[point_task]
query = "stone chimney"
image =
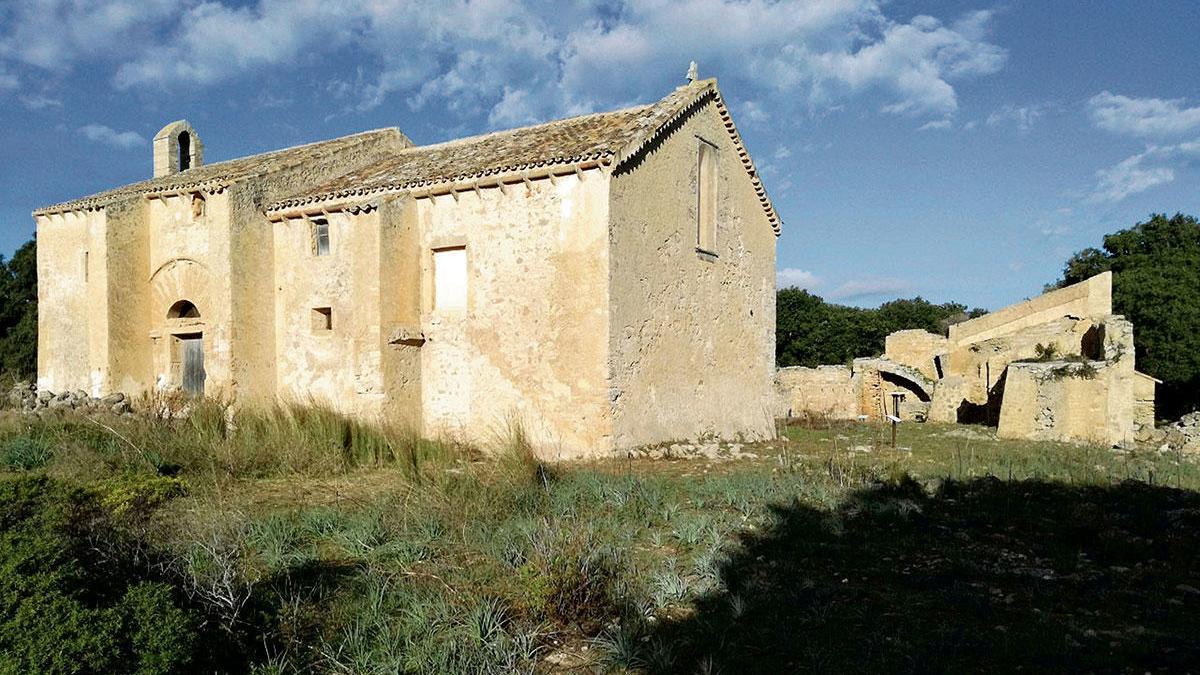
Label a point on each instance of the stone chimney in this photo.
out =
(177, 148)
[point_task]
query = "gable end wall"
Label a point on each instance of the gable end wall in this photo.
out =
(692, 336)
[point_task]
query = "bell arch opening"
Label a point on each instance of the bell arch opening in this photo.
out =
(183, 309)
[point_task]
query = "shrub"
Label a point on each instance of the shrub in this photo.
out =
(75, 596)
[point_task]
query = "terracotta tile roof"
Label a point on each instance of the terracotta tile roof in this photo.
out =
(212, 177)
(610, 138)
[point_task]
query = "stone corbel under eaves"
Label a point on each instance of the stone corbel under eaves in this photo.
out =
(353, 203)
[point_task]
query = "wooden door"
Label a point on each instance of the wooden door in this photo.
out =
(193, 364)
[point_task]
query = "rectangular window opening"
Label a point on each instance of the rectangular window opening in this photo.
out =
(450, 279)
(85, 267)
(706, 198)
(320, 236)
(322, 319)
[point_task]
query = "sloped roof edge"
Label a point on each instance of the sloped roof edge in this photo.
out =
(709, 92)
(218, 175)
(627, 153)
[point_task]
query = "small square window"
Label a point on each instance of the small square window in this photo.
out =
(320, 236)
(322, 319)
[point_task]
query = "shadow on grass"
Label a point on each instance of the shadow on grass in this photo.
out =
(983, 575)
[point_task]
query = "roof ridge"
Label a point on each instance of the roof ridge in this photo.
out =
(474, 138)
(637, 127)
(290, 148)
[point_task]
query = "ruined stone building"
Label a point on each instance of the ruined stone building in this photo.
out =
(607, 280)
(1057, 367)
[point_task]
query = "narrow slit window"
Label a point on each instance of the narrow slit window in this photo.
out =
(320, 236)
(185, 151)
(706, 198)
(322, 319)
(450, 279)
(85, 267)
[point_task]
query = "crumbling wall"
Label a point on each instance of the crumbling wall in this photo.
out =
(823, 392)
(1090, 298)
(1063, 401)
(916, 349)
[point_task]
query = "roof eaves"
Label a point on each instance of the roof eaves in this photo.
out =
(500, 172)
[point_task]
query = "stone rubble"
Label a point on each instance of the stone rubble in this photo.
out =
(1183, 434)
(711, 450)
(25, 398)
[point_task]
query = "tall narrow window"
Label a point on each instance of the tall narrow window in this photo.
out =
(706, 198)
(185, 151)
(85, 267)
(450, 279)
(320, 236)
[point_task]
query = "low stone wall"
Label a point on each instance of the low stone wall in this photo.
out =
(825, 391)
(27, 399)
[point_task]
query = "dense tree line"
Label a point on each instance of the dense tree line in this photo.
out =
(812, 332)
(18, 313)
(1156, 285)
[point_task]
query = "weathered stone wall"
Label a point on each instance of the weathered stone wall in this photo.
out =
(693, 335)
(1097, 401)
(111, 332)
(830, 392)
(189, 257)
(253, 357)
(1090, 298)
(340, 367)
(72, 301)
(531, 345)
(129, 361)
(916, 349)
(1059, 401)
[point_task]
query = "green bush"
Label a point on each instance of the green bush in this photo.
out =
(74, 595)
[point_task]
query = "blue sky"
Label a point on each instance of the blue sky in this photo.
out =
(956, 150)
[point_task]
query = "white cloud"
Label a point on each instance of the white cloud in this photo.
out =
(857, 289)
(1140, 172)
(1023, 117)
(215, 42)
(118, 139)
(515, 62)
(917, 60)
(1142, 116)
(753, 111)
(935, 125)
(791, 276)
(39, 102)
(55, 34)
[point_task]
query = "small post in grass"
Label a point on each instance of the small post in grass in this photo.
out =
(894, 418)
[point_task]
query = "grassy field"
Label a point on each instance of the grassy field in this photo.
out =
(295, 541)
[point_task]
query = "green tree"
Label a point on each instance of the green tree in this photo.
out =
(811, 332)
(18, 312)
(1156, 285)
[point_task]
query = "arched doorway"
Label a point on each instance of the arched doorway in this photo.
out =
(187, 347)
